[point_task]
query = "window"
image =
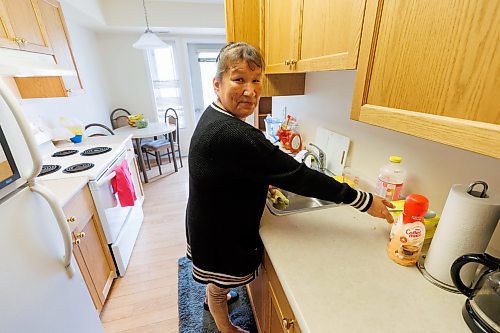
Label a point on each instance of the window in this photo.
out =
(208, 67)
(202, 63)
(166, 84)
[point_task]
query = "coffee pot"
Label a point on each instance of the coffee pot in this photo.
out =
(481, 311)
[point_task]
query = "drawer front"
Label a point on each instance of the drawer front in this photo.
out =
(79, 209)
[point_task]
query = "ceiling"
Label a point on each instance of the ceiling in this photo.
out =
(173, 16)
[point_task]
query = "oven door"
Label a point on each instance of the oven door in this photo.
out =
(113, 216)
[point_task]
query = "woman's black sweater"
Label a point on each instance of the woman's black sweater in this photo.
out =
(231, 165)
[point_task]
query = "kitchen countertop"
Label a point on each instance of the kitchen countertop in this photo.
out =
(337, 277)
(64, 189)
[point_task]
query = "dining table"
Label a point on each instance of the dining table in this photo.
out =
(152, 130)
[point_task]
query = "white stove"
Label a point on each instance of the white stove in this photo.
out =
(96, 159)
(64, 159)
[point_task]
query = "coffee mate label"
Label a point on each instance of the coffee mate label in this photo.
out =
(413, 233)
(404, 248)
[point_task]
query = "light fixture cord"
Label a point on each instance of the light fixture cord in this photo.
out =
(146, 15)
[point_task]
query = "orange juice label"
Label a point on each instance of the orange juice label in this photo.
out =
(406, 243)
(390, 191)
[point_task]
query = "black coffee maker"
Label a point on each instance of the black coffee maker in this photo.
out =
(482, 307)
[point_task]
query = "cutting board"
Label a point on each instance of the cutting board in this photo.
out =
(335, 146)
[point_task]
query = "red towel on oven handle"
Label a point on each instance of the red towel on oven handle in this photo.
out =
(123, 185)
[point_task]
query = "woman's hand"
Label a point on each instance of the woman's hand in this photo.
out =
(379, 208)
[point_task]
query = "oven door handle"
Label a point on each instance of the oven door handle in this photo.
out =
(105, 179)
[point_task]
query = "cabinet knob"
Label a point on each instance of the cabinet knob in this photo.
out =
(287, 62)
(69, 91)
(78, 237)
(287, 323)
(17, 40)
(71, 219)
(24, 41)
(293, 62)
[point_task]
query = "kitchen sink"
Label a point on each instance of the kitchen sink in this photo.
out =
(299, 204)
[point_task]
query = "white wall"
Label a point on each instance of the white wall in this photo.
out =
(126, 73)
(129, 81)
(432, 167)
(90, 106)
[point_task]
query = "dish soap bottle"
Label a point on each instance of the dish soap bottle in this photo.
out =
(390, 179)
(409, 231)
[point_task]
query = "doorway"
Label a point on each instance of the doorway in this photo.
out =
(202, 64)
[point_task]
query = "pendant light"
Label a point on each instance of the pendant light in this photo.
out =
(148, 39)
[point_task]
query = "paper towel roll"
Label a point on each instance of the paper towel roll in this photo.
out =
(466, 226)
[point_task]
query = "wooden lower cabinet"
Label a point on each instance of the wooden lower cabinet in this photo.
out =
(90, 248)
(272, 312)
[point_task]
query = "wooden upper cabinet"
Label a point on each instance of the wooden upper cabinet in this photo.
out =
(56, 86)
(431, 69)
(330, 35)
(7, 36)
(26, 25)
(282, 34)
(312, 35)
(245, 22)
(242, 21)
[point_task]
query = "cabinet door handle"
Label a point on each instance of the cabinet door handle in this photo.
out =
(287, 323)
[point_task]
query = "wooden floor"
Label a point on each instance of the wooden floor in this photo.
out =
(145, 300)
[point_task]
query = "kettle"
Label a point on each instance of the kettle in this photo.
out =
(481, 311)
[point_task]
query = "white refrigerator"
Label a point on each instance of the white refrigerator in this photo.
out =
(41, 287)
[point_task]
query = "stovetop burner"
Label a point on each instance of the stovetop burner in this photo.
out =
(95, 151)
(48, 168)
(78, 167)
(66, 152)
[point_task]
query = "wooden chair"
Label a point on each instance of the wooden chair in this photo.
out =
(119, 118)
(155, 147)
(99, 132)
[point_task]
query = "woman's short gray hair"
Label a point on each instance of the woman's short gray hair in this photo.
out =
(234, 52)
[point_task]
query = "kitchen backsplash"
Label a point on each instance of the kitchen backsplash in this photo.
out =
(432, 167)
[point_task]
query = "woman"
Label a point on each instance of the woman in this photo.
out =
(231, 165)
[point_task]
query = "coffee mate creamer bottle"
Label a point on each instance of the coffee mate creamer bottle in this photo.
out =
(409, 232)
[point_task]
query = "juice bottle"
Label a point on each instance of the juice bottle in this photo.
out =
(390, 179)
(409, 231)
(295, 141)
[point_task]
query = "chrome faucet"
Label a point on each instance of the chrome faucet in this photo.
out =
(320, 158)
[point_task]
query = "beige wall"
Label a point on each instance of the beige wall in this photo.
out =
(432, 167)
